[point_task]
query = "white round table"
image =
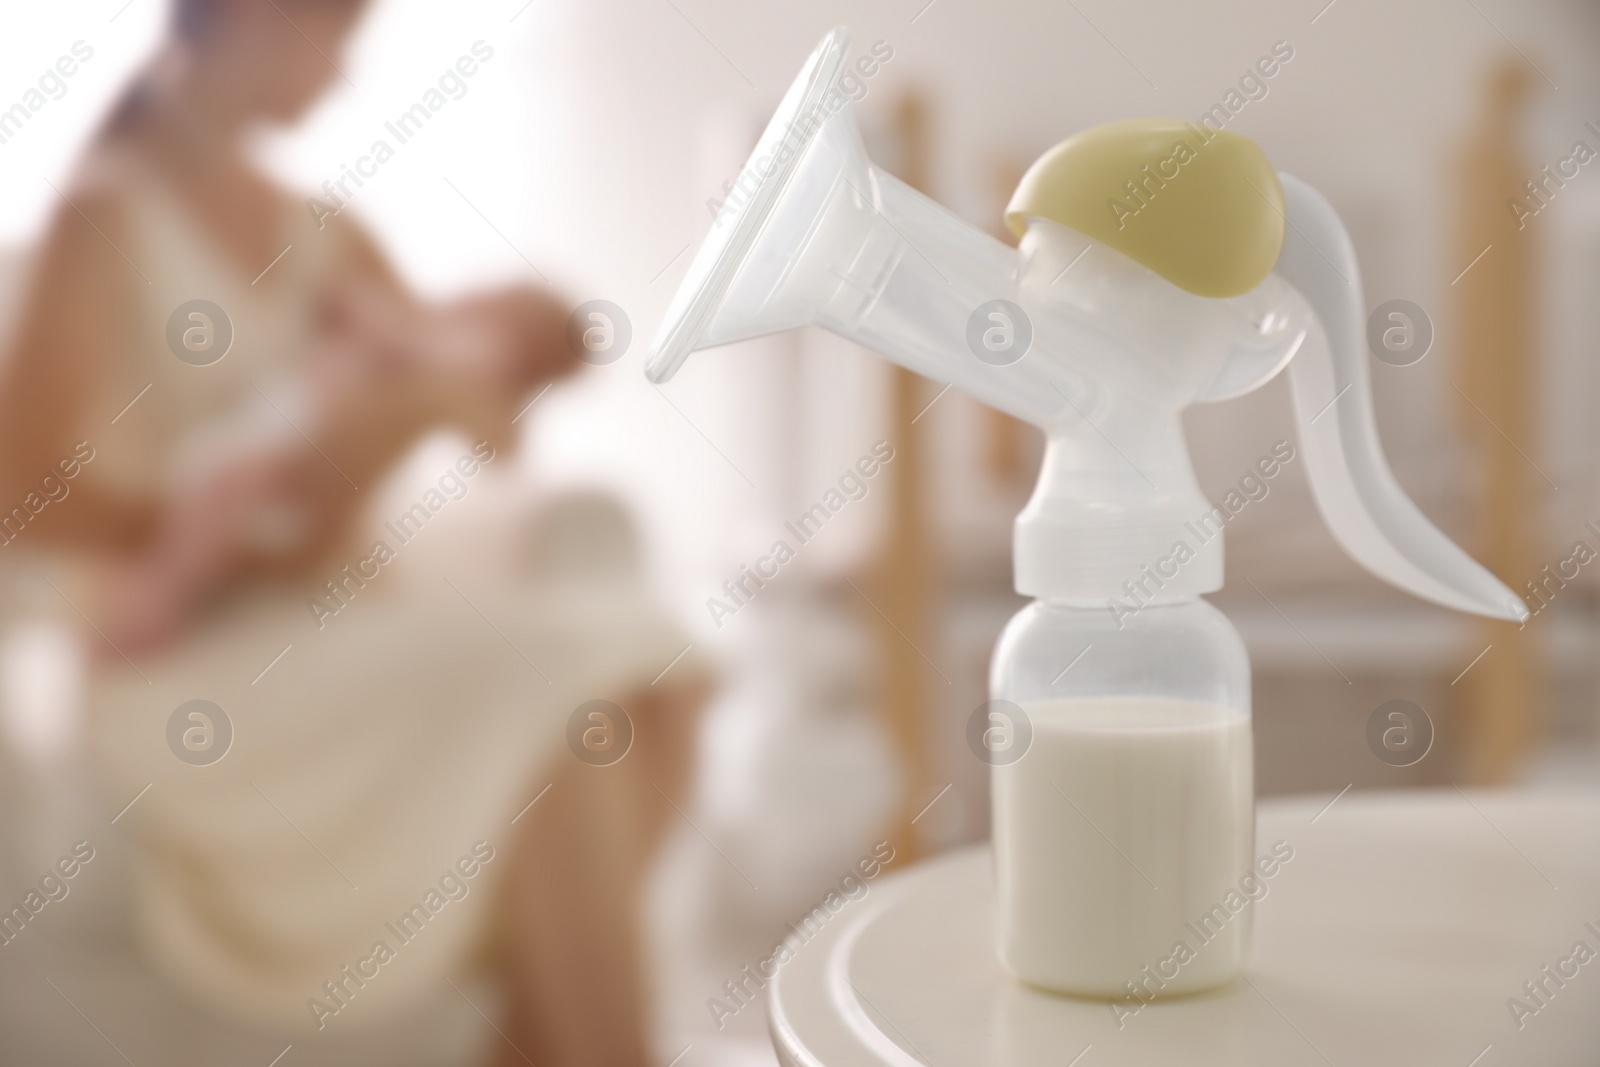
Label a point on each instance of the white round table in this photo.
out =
(1396, 936)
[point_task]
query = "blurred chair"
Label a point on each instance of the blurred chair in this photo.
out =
(1496, 335)
(904, 581)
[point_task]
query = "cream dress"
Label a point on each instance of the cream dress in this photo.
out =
(369, 754)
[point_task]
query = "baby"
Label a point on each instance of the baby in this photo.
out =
(250, 498)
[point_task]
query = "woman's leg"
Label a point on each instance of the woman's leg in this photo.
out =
(573, 944)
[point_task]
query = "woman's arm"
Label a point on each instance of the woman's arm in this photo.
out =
(67, 331)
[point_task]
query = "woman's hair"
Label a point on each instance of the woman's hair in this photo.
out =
(189, 24)
(190, 27)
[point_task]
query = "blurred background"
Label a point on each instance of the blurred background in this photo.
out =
(586, 153)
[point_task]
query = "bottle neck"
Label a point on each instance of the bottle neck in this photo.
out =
(1117, 515)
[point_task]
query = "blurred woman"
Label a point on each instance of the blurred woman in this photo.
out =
(227, 381)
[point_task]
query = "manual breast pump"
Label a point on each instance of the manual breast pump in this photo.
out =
(1124, 803)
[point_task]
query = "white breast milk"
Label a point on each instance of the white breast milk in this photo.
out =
(1117, 835)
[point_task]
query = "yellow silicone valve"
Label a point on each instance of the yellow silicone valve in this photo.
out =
(1200, 207)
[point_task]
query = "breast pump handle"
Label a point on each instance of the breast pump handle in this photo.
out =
(1368, 512)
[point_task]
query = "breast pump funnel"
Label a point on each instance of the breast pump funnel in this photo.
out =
(1146, 742)
(813, 233)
